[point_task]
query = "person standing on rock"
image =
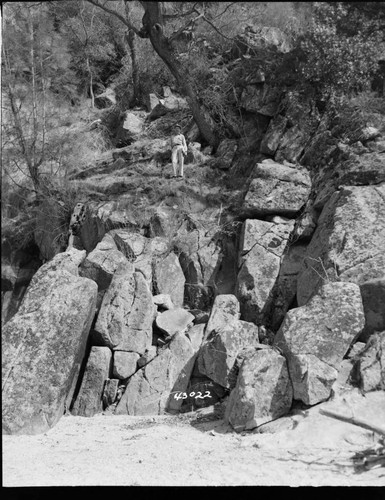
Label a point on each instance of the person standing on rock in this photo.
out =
(179, 150)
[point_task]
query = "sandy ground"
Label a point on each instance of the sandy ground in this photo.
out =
(189, 450)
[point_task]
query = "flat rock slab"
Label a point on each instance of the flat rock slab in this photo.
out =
(263, 391)
(174, 321)
(276, 189)
(314, 339)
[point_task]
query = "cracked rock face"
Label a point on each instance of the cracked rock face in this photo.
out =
(348, 243)
(200, 257)
(276, 189)
(44, 344)
(89, 399)
(262, 246)
(314, 339)
(263, 391)
(102, 262)
(125, 319)
(151, 390)
(217, 355)
(139, 250)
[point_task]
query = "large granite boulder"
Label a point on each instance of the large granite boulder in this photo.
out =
(369, 365)
(127, 312)
(101, 264)
(217, 355)
(261, 248)
(169, 278)
(348, 246)
(276, 189)
(44, 345)
(89, 400)
(314, 339)
(263, 391)
(152, 390)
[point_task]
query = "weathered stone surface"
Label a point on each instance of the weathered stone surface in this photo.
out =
(101, 264)
(263, 391)
(127, 312)
(261, 248)
(170, 104)
(44, 344)
(174, 321)
(163, 300)
(169, 278)
(226, 152)
(90, 398)
(151, 390)
(273, 136)
(139, 250)
(217, 355)
(125, 364)
(132, 123)
(353, 170)
(369, 366)
(255, 40)
(314, 339)
(225, 311)
(373, 299)
(276, 189)
(348, 242)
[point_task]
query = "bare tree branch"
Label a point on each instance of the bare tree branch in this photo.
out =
(125, 21)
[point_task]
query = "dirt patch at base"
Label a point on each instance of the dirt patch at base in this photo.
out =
(314, 450)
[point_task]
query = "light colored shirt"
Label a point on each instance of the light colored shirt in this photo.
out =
(179, 140)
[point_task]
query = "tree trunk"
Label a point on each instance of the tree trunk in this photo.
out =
(130, 38)
(153, 28)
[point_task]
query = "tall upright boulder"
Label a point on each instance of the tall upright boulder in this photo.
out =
(348, 246)
(44, 345)
(262, 246)
(263, 391)
(127, 312)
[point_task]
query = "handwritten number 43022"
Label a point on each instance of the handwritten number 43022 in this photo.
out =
(197, 395)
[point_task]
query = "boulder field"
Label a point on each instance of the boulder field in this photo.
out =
(182, 315)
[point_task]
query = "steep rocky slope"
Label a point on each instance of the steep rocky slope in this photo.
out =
(248, 283)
